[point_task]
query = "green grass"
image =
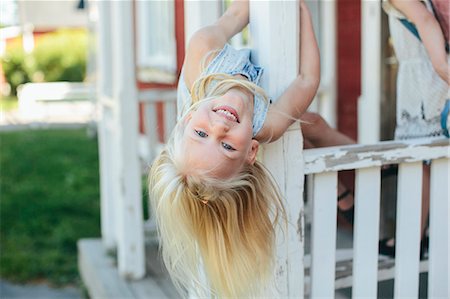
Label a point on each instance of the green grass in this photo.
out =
(49, 198)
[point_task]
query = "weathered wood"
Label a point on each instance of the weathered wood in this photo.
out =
(407, 240)
(275, 37)
(99, 272)
(127, 175)
(366, 226)
(386, 152)
(439, 277)
(323, 235)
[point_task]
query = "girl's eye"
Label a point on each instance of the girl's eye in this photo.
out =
(201, 133)
(228, 147)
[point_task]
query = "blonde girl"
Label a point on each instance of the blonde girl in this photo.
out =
(215, 204)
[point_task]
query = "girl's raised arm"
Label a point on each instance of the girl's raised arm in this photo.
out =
(214, 37)
(298, 96)
(430, 32)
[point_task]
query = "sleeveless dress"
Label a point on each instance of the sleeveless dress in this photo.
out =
(232, 62)
(421, 93)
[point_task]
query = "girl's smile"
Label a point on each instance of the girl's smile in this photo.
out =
(218, 136)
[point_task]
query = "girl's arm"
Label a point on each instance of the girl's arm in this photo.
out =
(298, 96)
(430, 32)
(214, 37)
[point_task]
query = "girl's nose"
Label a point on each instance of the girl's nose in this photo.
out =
(220, 127)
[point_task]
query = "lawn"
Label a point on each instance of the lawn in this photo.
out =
(49, 198)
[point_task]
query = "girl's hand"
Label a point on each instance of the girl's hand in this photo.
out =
(214, 37)
(298, 96)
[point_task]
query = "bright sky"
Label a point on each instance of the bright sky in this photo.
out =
(8, 12)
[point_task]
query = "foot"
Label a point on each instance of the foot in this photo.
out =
(345, 203)
(387, 247)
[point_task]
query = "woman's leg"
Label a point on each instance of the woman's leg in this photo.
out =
(317, 133)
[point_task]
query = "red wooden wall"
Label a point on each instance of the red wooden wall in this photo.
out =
(348, 64)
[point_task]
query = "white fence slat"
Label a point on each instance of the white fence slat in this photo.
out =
(151, 133)
(107, 196)
(328, 46)
(273, 28)
(323, 235)
(366, 227)
(170, 118)
(407, 240)
(131, 253)
(369, 101)
(438, 277)
(105, 138)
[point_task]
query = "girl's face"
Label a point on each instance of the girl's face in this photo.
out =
(217, 138)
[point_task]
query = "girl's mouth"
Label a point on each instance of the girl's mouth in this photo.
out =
(227, 112)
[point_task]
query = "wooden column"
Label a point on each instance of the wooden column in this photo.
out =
(104, 92)
(274, 27)
(127, 173)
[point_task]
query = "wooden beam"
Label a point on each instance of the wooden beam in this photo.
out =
(390, 152)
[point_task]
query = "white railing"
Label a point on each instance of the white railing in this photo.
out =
(367, 160)
(150, 144)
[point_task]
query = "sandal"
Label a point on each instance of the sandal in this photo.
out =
(388, 250)
(347, 214)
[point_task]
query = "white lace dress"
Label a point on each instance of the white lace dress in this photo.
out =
(421, 93)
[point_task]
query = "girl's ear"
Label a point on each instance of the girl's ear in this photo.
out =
(251, 155)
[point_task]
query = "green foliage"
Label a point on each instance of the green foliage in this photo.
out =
(57, 56)
(13, 63)
(49, 199)
(8, 103)
(61, 56)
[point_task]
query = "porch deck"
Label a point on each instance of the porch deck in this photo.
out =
(99, 272)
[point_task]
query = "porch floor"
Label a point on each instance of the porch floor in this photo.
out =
(100, 275)
(99, 272)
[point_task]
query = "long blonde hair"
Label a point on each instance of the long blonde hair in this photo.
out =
(224, 227)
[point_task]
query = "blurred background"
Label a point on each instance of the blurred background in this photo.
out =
(49, 177)
(62, 77)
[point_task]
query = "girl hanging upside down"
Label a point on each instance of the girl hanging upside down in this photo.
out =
(215, 204)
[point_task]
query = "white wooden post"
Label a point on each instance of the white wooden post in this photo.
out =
(439, 268)
(323, 235)
(366, 227)
(327, 104)
(127, 180)
(407, 237)
(369, 101)
(275, 38)
(104, 89)
(198, 14)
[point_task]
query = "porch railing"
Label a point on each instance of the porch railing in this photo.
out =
(366, 269)
(362, 268)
